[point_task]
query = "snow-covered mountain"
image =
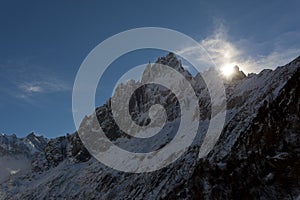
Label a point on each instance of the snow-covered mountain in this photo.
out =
(256, 156)
(16, 153)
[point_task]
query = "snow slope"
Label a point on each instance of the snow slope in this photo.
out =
(256, 156)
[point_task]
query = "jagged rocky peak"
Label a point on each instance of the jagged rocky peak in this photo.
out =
(152, 71)
(169, 60)
(38, 142)
(29, 145)
(32, 135)
(211, 72)
(237, 74)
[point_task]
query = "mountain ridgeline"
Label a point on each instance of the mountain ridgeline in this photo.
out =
(256, 156)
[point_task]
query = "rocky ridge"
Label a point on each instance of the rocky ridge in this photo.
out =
(255, 157)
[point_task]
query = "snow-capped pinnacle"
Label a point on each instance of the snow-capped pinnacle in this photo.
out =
(171, 60)
(31, 136)
(36, 143)
(29, 145)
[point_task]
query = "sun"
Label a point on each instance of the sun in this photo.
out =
(228, 69)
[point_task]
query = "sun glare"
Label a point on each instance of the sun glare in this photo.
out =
(228, 69)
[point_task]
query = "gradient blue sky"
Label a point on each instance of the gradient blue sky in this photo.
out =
(42, 44)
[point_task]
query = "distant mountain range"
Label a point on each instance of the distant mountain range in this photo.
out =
(256, 157)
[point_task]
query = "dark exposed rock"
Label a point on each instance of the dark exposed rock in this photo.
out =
(237, 74)
(256, 157)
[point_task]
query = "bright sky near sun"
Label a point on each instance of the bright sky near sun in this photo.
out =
(43, 44)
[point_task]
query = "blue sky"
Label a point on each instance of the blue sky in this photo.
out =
(42, 44)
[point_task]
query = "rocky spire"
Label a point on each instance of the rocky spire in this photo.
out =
(237, 74)
(172, 61)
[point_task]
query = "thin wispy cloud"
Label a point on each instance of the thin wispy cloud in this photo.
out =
(28, 90)
(26, 81)
(31, 88)
(276, 58)
(219, 49)
(224, 51)
(46, 86)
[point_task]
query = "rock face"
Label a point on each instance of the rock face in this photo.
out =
(256, 156)
(65, 148)
(237, 74)
(263, 162)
